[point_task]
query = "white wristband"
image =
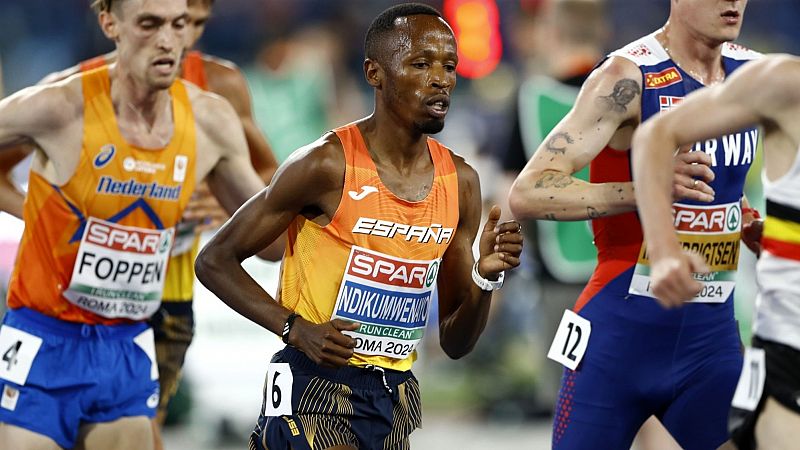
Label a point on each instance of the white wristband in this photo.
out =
(483, 283)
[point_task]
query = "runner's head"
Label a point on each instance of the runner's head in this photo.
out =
(150, 36)
(199, 13)
(411, 62)
(715, 21)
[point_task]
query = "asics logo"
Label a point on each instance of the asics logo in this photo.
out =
(365, 191)
(106, 153)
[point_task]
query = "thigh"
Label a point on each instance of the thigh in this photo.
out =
(778, 427)
(128, 433)
(22, 439)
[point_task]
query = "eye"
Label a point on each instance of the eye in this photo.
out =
(450, 67)
(148, 24)
(420, 65)
(179, 23)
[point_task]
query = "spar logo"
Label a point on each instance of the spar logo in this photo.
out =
(104, 156)
(385, 270)
(126, 239)
(714, 219)
(658, 80)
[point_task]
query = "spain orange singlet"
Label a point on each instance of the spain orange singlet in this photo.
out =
(95, 250)
(377, 261)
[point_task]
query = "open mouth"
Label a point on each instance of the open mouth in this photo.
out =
(164, 65)
(438, 105)
(731, 16)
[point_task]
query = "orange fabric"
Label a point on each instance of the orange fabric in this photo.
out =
(56, 215)
(94, 63)
(194, 71)
(316, 256)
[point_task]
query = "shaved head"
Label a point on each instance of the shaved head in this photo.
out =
(377, 45)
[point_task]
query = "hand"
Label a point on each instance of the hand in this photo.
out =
(204, 209)
(324, 343)
(751, 234)
(500, 245)
(692, 175)
(672, 278)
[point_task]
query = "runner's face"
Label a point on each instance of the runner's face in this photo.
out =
(421, 73)
(199, 12)
(717, 20)
(152, 39)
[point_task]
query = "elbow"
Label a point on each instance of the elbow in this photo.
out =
(522, 201)
(204, 265)
(456, 351)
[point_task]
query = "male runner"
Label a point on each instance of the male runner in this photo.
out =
(766, 93)
(173, 323)
(376, 213)
(642, 360)
(118, 155)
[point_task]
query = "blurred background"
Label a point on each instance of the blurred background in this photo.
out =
(521, 61)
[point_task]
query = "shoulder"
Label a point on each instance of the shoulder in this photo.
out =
(615, 68)
(739, 52)
(54, 104)
(469, 184)
(211, 111)
(321, 158)
(224, 77)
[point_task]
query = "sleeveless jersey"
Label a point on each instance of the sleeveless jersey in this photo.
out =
(179, 284)
(377, 261)
(778, 268)
(95, 249)
(711, 229)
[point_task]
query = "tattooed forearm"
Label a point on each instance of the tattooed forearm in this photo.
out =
(554, 180)
(593, 213)
(625, 91)
(558, 143)
(550, 216)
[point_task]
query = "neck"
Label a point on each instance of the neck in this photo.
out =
(132, 99)
(698, 55)
(388, 140)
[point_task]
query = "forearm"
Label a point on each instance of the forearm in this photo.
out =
(222, 274)
(556, 195)
(459, 332)
(11, 198)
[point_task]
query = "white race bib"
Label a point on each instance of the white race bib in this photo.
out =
(18, 349)
(572, 337)
(390, 297)
(278, 399)
(751, 381)
(120, 270)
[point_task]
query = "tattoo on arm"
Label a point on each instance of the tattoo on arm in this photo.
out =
(593, 213)
(558, 143)
(554, 180)
(550, 216)
(625, 91)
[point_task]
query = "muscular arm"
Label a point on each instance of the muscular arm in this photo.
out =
(298, 187)
(227, 80)
(463, 306)
(11, 195)
(609, 101)
(753, 95)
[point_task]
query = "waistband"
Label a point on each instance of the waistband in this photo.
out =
(369, 377)
(28, 317)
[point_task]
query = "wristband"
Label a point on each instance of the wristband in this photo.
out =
(287, 327)
(752, 211)
(483, 283)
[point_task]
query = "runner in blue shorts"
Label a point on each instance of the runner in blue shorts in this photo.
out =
(627, 357)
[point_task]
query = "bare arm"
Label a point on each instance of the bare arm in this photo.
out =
(227, 80)
(11, 195)
(751, 96)
(609, 101)
(297, 188)
(463, 306)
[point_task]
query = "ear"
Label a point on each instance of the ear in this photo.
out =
(109, 25)
(373, 72)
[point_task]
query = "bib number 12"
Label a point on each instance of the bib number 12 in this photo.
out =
(571, 340)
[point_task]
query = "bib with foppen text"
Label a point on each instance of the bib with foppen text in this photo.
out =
(712, 231)
(119, 271)
(390, 297)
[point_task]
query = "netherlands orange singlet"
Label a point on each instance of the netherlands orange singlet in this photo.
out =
(377, 261)
(95, 250)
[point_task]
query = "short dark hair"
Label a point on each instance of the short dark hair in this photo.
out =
(385, 23)
(99, 6)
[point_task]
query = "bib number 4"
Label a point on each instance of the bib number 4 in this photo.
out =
(572, 337)
(18, 350)
(278, 392)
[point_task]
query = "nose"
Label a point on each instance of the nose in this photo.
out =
(168, 39)
(440, 78)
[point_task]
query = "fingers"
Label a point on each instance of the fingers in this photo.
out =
(686, 188)
(697, 264)
(345, 325)
(696, 170)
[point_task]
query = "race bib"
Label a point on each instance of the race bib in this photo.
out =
(751, 381)
(120, 270)
(390, 297)
(18, 350)
(713, 232)
(278, 401)
(571, 340)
